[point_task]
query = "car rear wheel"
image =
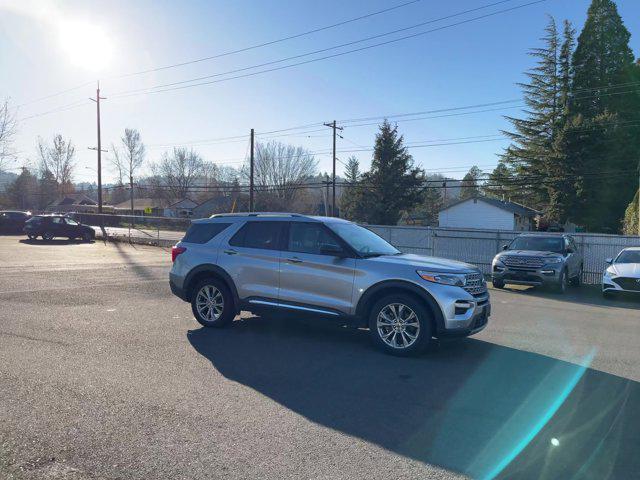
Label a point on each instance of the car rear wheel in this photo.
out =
(32, 236)
(48, 236)
(400, 325)
(212, 304)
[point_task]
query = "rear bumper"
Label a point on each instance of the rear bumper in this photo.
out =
(176, 290)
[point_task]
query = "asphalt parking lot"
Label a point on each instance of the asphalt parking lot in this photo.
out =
(103, 374)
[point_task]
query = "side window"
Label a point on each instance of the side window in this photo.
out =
(263, 235)
(203, 232)
(70, 221)
(57, 220)
(309, 238)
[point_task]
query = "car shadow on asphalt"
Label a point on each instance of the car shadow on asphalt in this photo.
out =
(469, 406)
(55, 241)
(585, 294)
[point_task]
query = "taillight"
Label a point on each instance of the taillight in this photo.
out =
(175, 251)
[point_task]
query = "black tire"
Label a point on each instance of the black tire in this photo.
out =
(575, 281)
(31, 236)
(228, 308)
(563, 282)
(498, 284)
(608, 294)
(422, 333)
(48, 236)
(87, 237)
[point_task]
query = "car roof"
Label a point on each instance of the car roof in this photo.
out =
(630, 248)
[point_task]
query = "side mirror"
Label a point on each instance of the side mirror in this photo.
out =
(332, 250)
(505, 247)
(609, 261)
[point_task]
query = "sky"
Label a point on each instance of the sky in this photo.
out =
(50, 47)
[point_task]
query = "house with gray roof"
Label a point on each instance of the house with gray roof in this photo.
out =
(488, 213)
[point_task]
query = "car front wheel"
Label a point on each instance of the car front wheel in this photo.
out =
(400, 325)
(48, 236)
(561, 287)
(212, 304)
(87, 237)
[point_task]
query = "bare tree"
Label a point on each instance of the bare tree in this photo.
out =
(128, 158)
(280, 172)
(8, 126)
(178, 172)
(57, 160)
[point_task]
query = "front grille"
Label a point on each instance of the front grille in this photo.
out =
(475, 285)
(628, 283)
(522, 262)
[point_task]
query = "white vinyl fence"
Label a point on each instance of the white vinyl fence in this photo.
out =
(480, 246)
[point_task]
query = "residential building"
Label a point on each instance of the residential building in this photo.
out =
(488, 213)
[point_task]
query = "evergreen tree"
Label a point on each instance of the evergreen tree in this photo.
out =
(545, 95)
(23, 192)
(48, 187)
(501, 184)
(393, 184)
(605, 108)
(351, 191)
(469, 187)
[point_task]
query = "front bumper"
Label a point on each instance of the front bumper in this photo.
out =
(609, 284)
(545, 275)
(463, 314)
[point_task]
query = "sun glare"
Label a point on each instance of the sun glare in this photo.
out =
(86, 45)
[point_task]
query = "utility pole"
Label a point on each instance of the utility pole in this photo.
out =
(333, 126)
(326, 197)
(99, 148)
(251, 172)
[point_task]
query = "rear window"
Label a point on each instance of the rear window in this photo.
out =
(203, 232)
(264, 235)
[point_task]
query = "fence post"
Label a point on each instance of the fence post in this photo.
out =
(498, 241)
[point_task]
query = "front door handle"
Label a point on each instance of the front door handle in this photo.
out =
(294, 260)
(231, 252)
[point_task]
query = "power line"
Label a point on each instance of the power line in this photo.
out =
(406, 37)
(272, 42)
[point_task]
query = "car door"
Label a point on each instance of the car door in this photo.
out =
(313, 279)
(57, 227)
(72, 227)
(252, 258)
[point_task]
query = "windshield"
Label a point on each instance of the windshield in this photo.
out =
(540, 244)
(628, 256)
(363, 241)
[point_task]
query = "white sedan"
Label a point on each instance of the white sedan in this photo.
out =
(623, 273)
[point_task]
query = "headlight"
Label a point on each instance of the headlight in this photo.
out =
(553, 260)
(443, 278)
(608, 273)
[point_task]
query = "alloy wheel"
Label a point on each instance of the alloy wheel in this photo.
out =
(398, 325)
(209, 303)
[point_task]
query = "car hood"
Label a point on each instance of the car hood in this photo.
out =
(427, 263)
(529, 253)
(627, 269)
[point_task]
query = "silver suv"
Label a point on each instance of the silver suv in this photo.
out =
(535, 259)
(329, 268)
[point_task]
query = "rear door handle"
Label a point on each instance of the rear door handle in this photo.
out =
(231, 252)
(294, 260)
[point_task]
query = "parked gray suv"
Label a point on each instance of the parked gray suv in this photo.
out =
(536, 259)
(329, 268)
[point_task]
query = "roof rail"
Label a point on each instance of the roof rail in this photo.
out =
(259, 214)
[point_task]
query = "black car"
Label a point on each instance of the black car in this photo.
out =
(52, 226)
(12, 221)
